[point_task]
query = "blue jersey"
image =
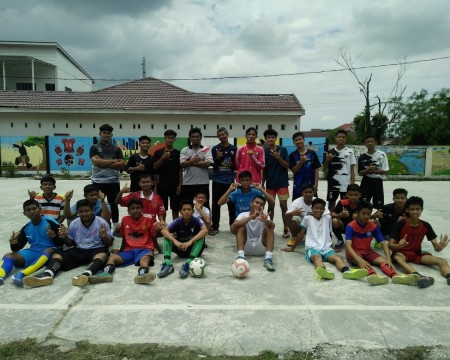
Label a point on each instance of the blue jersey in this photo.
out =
(243, 200)
(223, 171)
(36, 235)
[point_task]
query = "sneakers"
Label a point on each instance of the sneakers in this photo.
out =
(268, 264)
(80, 280)
(213, 232)
(376, 279)
(42, 279)
(144, 278)
(102, 277)
(425, 281)
(353, 274)
(165, 270)
(377, 245)
(406, 279)
(17, 279)
(240, 257)
(286, 233)
(324, 273)
(184, 271)
(291, 242)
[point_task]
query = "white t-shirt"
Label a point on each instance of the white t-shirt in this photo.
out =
(317, 232)
(299, 203)
(255, 227)
(378, 158)
(204, 209)
(340, 169)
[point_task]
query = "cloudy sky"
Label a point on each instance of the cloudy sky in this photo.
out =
(193, 39)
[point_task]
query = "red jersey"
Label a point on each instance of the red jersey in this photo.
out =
(415, 234)
(68, 145)
(137, 234)
(361, 236)
(254, 163)
(153, 206)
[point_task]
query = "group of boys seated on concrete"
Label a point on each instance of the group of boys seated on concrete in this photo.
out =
(89, 237)
(399, 223)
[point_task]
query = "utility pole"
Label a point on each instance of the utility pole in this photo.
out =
(143, 67)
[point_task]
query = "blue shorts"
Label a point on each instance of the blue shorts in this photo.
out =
(30, 255)
(325, 253)
(132, 257)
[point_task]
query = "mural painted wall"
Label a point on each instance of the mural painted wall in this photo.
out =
(27, 154)
(440, 160)
(403, 160)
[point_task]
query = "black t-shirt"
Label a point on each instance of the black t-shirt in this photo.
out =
(169, 172)
(390, 217)
(134, 161)
(344, 203)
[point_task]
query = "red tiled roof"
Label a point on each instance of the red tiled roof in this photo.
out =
(149, 94)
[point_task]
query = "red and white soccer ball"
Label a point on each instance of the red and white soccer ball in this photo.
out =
(197, 267)
(240, 268)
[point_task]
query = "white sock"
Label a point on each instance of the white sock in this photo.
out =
(241, 253)
(269, 255)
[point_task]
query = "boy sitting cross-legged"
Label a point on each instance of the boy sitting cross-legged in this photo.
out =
(138, 233)
(90, 237)
(317, 227)
(358, 235)
(184, 236)
(406, 243)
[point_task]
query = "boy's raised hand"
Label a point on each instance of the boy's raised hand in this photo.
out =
(101, 196)
(14, 238)
(32, 194)
(443, 242)
(234, 186)
(345, 212)
(50, 233)
(103, 231)
(63, 231)
(403, 242)
(69, 195)
(378, 214)
(126, 189)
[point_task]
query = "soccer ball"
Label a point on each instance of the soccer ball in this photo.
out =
(240, 268)
(197, 267)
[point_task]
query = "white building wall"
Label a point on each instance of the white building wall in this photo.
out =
(70, 76)
(126, 124)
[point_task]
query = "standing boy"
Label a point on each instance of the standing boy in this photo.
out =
(318, 250)
(250, 157)
(140, 163)
(275, 175)
(195, 160)
(137, 247)
(184, 236)
(41, 232)
(372, 166)
(254, 233)
(89, 237)
(223, 155)
(241, 194)
(340, 163)
(169, 173)
(406, 243)
(107, 161)
(52, 204)
(359, 234)
(304, 164)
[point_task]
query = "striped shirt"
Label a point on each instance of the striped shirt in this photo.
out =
(53, 207)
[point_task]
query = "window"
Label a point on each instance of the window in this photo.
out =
(243, 127)
(12, 124)
(67, 88)
(54, 125)
(81, 126)
(49, 87)
(39, 125)
(296, 127)
(93, 125)
(178, 126)
(26, 125)
(134, 126)
(256, 127)
(151, 126)
(24, 86)
(283, 127)
(120, 126)
(165, 126)
(217, 127)
(67, 125)
(139, 126)
(204, 127)
(231, 127)
(269, 126)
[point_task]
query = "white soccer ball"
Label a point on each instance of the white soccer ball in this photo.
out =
(240, 268)
(197, 267)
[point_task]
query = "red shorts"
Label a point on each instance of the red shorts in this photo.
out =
(283, 193)
(411, 256)
(368, 255)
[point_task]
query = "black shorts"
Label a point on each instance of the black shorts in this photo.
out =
(333, 195)
(186, 253)
(165, 194)
(75, 257)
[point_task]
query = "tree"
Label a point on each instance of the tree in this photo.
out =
(366, 123)
(424, 120)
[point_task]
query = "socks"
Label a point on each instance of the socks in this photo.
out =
(167, 251)
(53, 267)
(40, 262)
(338, 233)
(241, 253)
(196, 249)
(6, 266)
(269, 255)
(344, 269)
(94, 268)
(387, 270)
(109, 268)
(143, 270)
